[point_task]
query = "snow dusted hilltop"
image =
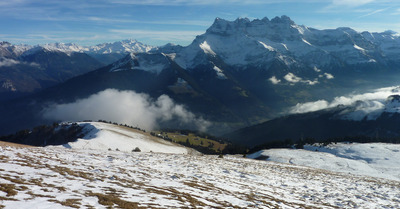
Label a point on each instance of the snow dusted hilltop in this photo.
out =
(104, 136)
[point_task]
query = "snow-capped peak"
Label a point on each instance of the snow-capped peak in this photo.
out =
(62, 47)
(10, 50)
(283, 19)
(125, 46)
(150, 62)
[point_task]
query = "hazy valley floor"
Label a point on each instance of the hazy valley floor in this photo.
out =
(55, 177)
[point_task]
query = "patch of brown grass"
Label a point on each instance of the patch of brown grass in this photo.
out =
(64, 171)
(175, 194)
(198, 186)
(10, 144)
(112, 201)
(4, 158)
(14, 180)
(73, 203)
(60, 188)
(10, 189)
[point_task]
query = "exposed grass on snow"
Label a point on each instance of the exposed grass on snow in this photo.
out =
(63, 178)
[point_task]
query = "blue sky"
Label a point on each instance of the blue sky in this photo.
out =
(157, 22)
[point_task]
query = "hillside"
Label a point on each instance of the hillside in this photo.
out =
(96, 136)
(370, 159)
(104, 136)
(55, 177)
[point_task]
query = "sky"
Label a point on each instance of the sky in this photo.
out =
(158, 22)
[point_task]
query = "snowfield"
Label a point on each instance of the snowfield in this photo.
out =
(371, 159)
(56, 177)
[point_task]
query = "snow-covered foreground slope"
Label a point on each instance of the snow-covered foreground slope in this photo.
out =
(55, 177)
(372, 159)
(104, 136)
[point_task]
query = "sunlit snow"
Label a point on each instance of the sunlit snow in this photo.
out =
(55, 177)
(206, 48)
(220, 73)
(270, 48)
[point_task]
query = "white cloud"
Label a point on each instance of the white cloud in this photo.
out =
(126, 107)
(350, 3)
(4, 62)
(202, 2)
(373, 12)
(274, 80)
(368, 104)
(309, 82)
(316, 69)
(329, 76)
(8, 62)
(292, 78)
(309, 106)
(364, 109)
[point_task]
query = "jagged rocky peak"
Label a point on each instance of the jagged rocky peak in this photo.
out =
(219, 26)
(169, 48)
(241, 20)
(131, 41)
(124, 46)
(283, 20)
(5, 44)
(264, 27)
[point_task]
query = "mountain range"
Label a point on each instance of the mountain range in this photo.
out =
(238, 73)
(25, 69)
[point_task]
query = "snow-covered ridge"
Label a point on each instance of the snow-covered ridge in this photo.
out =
(9, 50)
(125, 46)
(104, 136)
(150, 62)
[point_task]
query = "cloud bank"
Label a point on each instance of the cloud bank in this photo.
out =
(127, 107)
(4, 62)
(8, 62)
(369, 105)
